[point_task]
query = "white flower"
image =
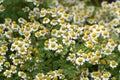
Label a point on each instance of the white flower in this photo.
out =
(66, 41)
(46, 20)
(59, 48)
(119, 47)
(105, 34)
(53, 46)
(73, 35)
(13, 69)
(113, 64)
(80, 52)
(1, 68)
(22, 74)
(7, 73)
(80, 61)
(35, 28)
(84, 78)
(8, 34)
(30, 0)
(2, 60)
(76, 19)
(53, 22)
(106, 76)
(43, 13)
(71, 57)
(16, 61)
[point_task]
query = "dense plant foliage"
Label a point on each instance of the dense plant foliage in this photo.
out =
(59, 40)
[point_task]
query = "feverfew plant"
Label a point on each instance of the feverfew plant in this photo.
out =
(49, 40)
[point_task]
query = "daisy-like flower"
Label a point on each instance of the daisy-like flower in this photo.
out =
(69, 17)
(55, 2)
(37, 34)
(8, 20)
(119, 47)
(36, 3)
(2, 51)
(95, 40)
(93, 35)
(6, 64)
(22, 20)
(107, 51)
(22, 74)
(60, 11)
(53, 22)
(63, 29)
(46, 20)
(76, 19)
(53, 46)
(66, 41)
(94, 60)
(16, 61)
(21, 31)
(15, 26)
(2, 59)
(71, 57)
(59, 48)
(66, 35)
(85, 56)
(35, 28)
(13, 69)
(2, 8)
(73, 35)
(85, 37)
(36, 10)
(52, 74)
(80, 52)
(98, 53)
(80, 61)
(105, 34)
(115, 22)
(39, 76)
(54, 32)
(43, 32)
(113, 64)
(26, 9)
(27, 34)
(112, 45)
(89, 44)
(8, 34)
(53, 12)
(1, 68)
(12, 56)
(43, 13)
(106, 76)
(95, 74)
(84, 78)
(22, 50)
(7, 73)
(52, 40)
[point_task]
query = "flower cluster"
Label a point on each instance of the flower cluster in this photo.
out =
(54, 75)
(55, 42)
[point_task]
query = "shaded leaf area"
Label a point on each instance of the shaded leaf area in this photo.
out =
(13, 9)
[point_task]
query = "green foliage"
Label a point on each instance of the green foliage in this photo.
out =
(36, 61)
